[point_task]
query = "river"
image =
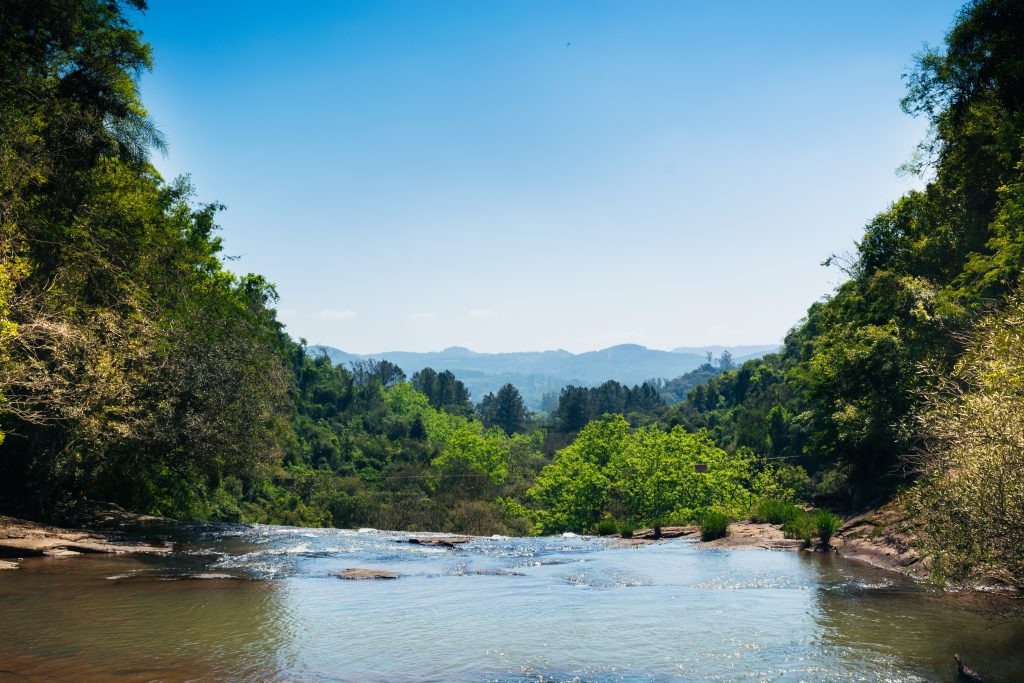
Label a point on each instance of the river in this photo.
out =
(571, 609)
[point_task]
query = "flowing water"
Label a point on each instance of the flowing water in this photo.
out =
(571, 609)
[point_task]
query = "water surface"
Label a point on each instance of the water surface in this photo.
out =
(575, 609)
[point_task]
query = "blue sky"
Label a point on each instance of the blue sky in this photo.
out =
(527, 175)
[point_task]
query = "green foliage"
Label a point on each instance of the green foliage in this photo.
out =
(827, 524)
(386, 458)
(639, 475)
(774, 511)
(803, 526)
(443, 390)
(970, 495)
(714, 523)
(577, 406)
(675, 390)
(504, 410)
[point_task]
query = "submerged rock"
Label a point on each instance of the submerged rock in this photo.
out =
(631, 542)
(212, 577)
(496, 572)
(4, 564)
(143, 577)
(965, 672)
(357, 574)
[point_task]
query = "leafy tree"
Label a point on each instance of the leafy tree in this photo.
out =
(383, 372)
(644, 476)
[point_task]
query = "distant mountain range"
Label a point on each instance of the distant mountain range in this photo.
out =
(536, 373)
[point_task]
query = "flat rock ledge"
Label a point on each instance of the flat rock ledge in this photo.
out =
(4, 564)
(749, 535)
(357, 574)
(441, 541)
(668, 532)
(20, 539)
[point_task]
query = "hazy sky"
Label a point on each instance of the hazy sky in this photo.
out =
(529, 175)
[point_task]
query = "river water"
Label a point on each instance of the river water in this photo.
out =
(574, 609)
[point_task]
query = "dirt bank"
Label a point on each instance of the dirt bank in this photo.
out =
(20, 538)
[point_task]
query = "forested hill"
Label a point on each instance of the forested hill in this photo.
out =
(536, 374)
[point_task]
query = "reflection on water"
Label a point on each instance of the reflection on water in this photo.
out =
(570, 609)
(921, 628)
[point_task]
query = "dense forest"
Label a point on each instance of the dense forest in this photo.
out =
(136, 368)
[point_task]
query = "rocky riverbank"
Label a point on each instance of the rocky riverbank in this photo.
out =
(880, 538)
(112, 530)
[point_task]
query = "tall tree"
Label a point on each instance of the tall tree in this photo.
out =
(505, 410)
(444, 390)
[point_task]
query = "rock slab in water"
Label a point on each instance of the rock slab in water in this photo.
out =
(442, 541)
(8, 565)
(669, 532)
(496, 572)
(357, 574)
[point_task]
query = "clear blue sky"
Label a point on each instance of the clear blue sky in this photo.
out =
(530, 175)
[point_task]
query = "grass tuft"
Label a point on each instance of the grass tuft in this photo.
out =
(827, 524)
(714, 524)
(772, 511)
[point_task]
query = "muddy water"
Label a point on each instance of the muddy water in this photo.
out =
(571, 609)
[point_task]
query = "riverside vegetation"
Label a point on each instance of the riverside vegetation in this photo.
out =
(136, 368)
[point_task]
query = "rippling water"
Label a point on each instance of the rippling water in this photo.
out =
(571, 609)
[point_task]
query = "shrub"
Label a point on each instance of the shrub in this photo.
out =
(626, 531)
(714, 524)
(827, 525)
(801, 526)
(968, 499)
(607, 527)
(773, 511)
